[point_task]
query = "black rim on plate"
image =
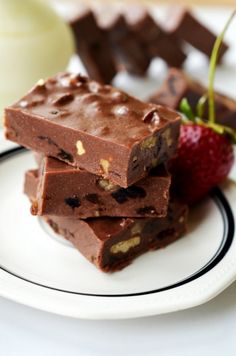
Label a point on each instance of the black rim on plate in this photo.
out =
(228, 235)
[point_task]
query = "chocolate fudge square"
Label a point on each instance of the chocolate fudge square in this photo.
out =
(113, 243)
(153, 38)
(67, 191)
(95, 127)
(92, 46)
(182, 24)
(127, 49)
(179, 85)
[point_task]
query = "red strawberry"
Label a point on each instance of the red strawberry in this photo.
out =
(203, 160)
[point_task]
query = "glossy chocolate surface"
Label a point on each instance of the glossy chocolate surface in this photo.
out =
(95, 127)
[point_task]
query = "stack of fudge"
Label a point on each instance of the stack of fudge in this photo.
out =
(110, 38)
(101, 180)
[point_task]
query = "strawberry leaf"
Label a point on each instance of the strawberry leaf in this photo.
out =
(201, 105)
(186, 109)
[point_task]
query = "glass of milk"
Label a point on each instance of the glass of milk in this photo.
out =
(35, 43)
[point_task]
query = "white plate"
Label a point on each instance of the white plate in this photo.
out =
(41, 270)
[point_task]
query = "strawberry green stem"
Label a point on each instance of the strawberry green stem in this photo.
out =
(212, 68)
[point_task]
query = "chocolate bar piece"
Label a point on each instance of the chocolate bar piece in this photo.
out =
(154, 39)
(179, 85)
(112, 243)
(68, 191)
(94, 127)
(93, 47)
(128, 51)
(182, 24)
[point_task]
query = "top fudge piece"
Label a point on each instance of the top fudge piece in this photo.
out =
(95, 127)
(179, 85)
(182, 24)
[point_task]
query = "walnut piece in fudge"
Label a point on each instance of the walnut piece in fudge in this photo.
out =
(95, 127)
(179, 85)
(67, 191)
(113, 243)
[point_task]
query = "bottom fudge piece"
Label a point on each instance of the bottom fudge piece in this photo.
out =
(67, 191)
(112, 243)
(179, 85)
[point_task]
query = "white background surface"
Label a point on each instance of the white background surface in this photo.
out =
(202, 331)
(206, 330)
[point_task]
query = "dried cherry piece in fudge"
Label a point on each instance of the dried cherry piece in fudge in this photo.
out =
(179, 85)
(92, 46)
(113, 243)
(155, 41)
(182, 24)
(67, 191)
(103, 130)
(127, 49)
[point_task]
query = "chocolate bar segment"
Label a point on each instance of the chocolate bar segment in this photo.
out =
(182, 24)
(153, 38)
(94, 127)
(127, 49)
(179, 85)
(93, 47)
(68, 191)
(111, 244)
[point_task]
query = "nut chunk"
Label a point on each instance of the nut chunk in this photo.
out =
(100, 129)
